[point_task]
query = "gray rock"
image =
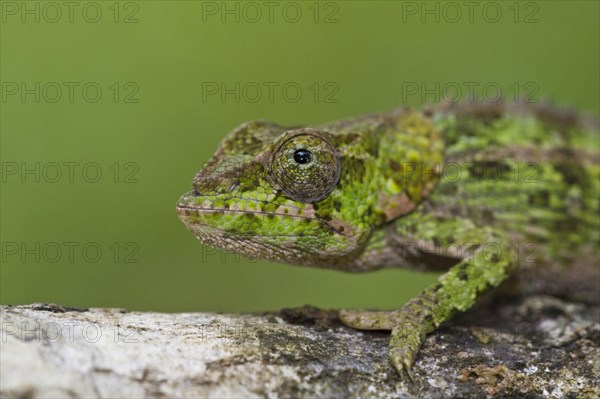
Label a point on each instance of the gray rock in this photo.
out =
(529, 347)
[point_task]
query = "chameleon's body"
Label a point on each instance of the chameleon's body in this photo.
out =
(477, 189)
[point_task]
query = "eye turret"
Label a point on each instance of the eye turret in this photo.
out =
(305, 166)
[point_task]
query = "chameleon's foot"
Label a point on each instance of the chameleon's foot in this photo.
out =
(407, 334)
(404, 345)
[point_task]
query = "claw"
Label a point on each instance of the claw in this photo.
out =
(401, 360)
(406, 339)
(409, 373)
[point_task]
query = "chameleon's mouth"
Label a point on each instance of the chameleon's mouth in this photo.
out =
(184, 210)
(201, 215)
(188, 205)
(196, 212)
(189, 210)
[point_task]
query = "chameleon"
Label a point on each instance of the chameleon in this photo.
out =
(477, 190)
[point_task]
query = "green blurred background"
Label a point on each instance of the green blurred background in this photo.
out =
(157, 121)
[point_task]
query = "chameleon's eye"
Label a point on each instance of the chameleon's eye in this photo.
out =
(303, 157)
(305, 166)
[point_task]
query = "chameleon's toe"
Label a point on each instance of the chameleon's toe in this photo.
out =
(404, 345)
(402, 361)
(406, 339)
(363, 320)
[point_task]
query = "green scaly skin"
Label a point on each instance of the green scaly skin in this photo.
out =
(478, 189)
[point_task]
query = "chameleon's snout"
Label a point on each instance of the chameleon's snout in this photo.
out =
(182, 211)
(185, 206)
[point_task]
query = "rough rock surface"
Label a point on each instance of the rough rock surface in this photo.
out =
(536, 346)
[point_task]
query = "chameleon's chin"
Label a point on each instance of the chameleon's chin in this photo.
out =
(197, 221)
(218, 228)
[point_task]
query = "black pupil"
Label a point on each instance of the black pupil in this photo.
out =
(303, 156)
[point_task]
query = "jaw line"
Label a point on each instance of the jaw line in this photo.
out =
(186, 211)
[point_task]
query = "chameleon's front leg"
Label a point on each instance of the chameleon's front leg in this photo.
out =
(485, 265)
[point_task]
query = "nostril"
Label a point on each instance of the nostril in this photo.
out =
(195, 191)
(234, 185)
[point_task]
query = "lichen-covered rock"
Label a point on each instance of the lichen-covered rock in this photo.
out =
(532, 347)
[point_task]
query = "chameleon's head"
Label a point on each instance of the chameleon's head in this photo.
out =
(259, 195)
(303, 196)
